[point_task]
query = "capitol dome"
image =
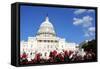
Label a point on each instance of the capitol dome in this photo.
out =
(46, 28)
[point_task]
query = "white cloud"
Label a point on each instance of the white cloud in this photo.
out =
(86, 34)
(90, 32)
(79, 11)
(86, 21)
(91, 10)
(91, 29)
(77, 21)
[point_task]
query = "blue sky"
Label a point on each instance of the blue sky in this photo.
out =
(76, 25)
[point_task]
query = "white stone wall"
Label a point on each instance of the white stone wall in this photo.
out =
(71, 46)
(61, 44)
(23, 47)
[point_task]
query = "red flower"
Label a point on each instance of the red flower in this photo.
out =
(24, 55)
(60, 56)
(37, 57)
(70, 52)
(54, 53)
(66, 53)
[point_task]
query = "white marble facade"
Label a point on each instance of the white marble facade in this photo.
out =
(44, 42)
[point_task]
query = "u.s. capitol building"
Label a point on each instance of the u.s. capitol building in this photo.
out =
(44, 42)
